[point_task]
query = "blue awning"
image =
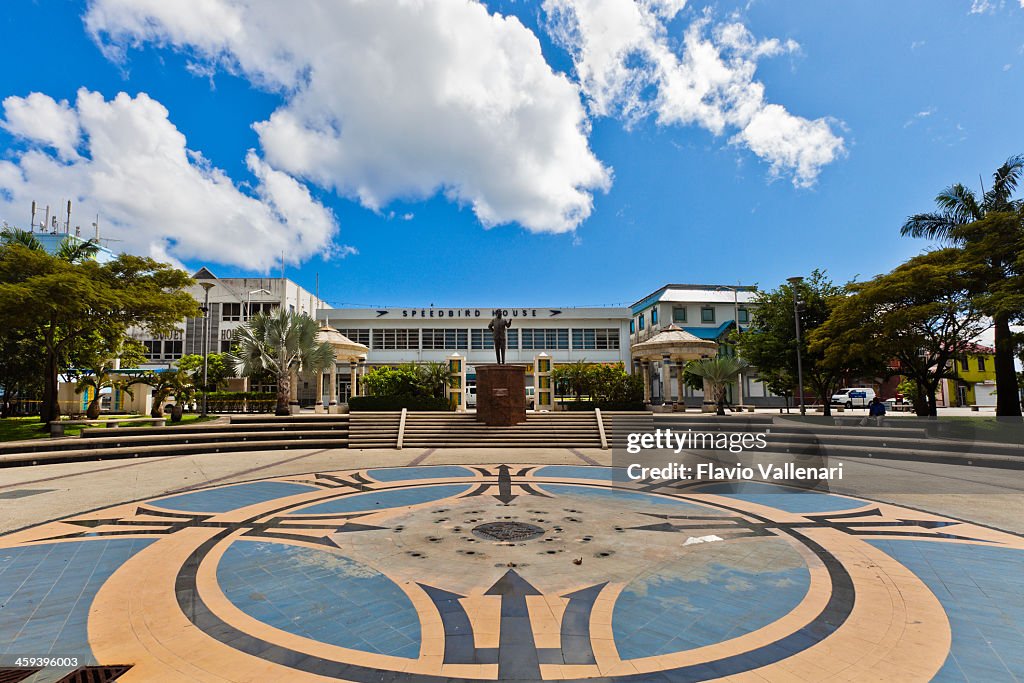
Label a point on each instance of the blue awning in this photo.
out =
(710, 333)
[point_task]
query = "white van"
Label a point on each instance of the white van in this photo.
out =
(854, 397)
(471, 396)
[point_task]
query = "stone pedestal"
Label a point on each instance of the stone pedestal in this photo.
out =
(501, 394)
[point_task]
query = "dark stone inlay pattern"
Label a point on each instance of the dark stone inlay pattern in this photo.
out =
(508, 531)
(22, 493)
(518, 658)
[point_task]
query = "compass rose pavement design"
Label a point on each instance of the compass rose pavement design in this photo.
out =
(515, 572)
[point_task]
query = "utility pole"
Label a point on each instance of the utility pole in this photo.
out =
(795, 282)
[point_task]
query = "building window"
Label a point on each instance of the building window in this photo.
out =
(172, 350)
(744, 315)
(632, 327)
(441, 339)
(640, 321)
(358, 335)
(707, 314)
(231, 312)
(601, 339)
(512, 339)
(264, 307)
(225, 345)
(679, 314)
(396, 340)
(481, 339)
(981, 363)
(654, 316)
(545, 339)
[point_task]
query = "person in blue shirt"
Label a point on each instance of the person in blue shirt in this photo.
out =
(876, 408)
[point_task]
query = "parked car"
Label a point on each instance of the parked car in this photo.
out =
(530, 397)
(471, 396)
(854, 397)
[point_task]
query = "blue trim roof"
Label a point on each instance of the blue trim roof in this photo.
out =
(710, 333)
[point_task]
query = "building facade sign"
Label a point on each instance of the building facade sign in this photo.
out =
(421, 313)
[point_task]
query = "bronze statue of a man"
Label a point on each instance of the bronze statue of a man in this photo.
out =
(497, 326)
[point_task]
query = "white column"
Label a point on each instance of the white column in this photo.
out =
(666, 379)
(319, 407)
(332, 406)
(646, 372)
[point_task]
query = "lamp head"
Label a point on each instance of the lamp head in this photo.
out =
(795, 280)
(207, 285)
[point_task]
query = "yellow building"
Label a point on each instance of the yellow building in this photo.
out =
(976, 375)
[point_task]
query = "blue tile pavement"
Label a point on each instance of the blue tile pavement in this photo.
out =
(982, 590)
(46, 592)
(383, 500)
(320, 595)
(783, 497)
(233, 497)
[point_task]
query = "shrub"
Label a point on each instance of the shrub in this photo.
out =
(604, 405)
(416, 403)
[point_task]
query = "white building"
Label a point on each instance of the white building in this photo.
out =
(232, 301)
(708, 312)
(402, 335)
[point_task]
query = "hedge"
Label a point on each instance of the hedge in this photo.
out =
(417, 403)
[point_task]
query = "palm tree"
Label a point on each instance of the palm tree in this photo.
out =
(166, 383)
(98, 380)
(23, 237)
(719, 373)
(282, 343)
(71, 249)
(76, 251)
(959, 207)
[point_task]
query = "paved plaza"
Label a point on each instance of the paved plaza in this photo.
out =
(462, 565)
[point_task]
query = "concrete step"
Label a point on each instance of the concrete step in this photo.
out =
(130, 440)
(21, 459)
(99, 433)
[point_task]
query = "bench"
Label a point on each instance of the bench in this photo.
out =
(974, 408)
(57, 426)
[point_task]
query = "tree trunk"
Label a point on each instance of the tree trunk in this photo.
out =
(49, 409)
(284, 385)
(94, 407)
(177, 412)
(1007, 389)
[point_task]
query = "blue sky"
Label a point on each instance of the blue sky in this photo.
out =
(900, 103)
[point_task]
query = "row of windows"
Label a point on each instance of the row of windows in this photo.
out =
(162, 349)
(707, 315)
(451, 339)
(236, 312)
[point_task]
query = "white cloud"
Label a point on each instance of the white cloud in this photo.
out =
(629, 68)
(981, 7)
(44, 120)
(395, 98)
(151, 191)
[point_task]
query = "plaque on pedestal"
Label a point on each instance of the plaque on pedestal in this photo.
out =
(501, 394)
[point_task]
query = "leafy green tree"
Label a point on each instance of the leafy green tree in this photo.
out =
(770, 345)
(62, 302)
(719, 372)
(21, 371)
(404, 380)
(95, 368)
(218, 369)
(283, 343)
(920, 313)
(433, 378)
(989, 230)
(573, 378)
(167, 383)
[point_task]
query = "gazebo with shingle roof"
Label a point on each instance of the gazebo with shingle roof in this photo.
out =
(344, 350)
(671, 345)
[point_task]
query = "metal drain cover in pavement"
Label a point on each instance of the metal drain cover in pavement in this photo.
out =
(508, 531)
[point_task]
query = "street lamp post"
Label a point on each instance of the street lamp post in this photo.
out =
(207, 286)
(248, 301)
(736, 319)
(795, 281)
